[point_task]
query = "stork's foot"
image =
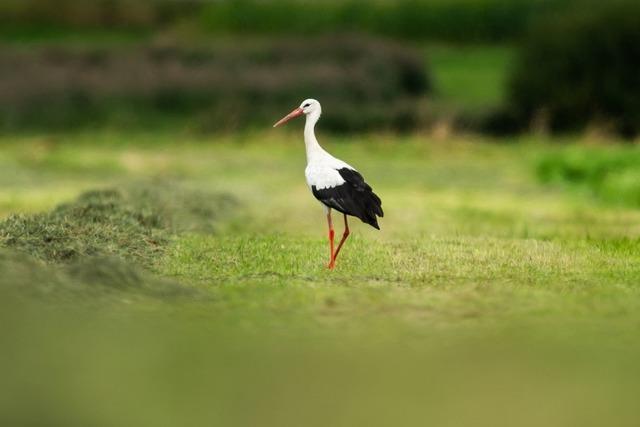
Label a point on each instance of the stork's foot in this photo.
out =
(331, 265)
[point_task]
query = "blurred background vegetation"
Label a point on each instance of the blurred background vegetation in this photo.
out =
(485, 66)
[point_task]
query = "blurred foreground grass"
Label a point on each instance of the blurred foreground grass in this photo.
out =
(488, 298)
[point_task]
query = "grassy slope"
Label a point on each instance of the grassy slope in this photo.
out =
(486, 299)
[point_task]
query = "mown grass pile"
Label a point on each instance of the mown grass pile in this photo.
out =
(98, 223)
(131, 224)
(109, 237)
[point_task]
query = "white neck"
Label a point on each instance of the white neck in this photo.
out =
(310, 141)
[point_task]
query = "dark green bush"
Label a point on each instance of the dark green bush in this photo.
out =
(362, 83)
(452, 20)
(92, 14)
(582, 68)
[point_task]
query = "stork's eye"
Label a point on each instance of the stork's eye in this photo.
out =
(306, 105)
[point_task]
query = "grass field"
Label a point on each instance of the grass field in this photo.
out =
(488, 298)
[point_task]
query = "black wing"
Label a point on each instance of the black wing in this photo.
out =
(355, 197)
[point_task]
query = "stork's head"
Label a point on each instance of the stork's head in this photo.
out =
(308, 106)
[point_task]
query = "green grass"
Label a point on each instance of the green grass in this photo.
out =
(488, 298)
(469, 77)
(601, 172)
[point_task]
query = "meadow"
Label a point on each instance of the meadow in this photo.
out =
(163, 263)
(492, 295)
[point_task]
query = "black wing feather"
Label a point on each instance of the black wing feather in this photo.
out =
(355, 197)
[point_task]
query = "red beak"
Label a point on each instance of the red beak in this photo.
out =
(295, 113)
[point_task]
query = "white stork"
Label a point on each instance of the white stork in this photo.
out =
(333, 182)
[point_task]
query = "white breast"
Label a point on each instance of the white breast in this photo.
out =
(323, 172)
(322, 177)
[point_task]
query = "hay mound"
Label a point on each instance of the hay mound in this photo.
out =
(133, 224)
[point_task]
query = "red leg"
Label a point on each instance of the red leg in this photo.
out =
(344, 238)
(331, 235)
